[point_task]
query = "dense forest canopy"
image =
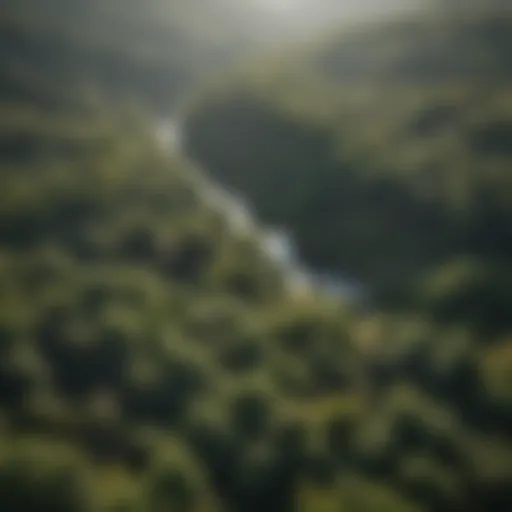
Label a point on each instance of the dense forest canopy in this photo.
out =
(401, 137)
(152, 359)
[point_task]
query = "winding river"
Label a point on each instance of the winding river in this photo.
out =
(276, 242)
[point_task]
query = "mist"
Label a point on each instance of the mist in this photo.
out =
(284, 19)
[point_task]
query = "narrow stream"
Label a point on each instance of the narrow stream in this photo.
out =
(276, 242)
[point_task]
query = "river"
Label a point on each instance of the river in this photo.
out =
(276, 242)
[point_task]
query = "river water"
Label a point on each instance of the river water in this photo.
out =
(276, 242)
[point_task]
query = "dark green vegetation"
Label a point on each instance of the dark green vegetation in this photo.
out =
(152, 360)
(155, 350)
(389, 152)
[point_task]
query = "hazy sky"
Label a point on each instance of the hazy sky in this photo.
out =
(350, 8)
(314, 13)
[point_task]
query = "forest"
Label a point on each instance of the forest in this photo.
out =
(153, 359)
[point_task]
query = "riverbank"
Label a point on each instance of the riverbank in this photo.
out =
(276, 242)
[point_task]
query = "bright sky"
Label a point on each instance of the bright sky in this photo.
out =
(345, 7)
(280, 5)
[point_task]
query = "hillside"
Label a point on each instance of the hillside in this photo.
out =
(394, 142)
(138, 333)
(420, 51)
(147, 52)
(151, 359)
(152, 53)
(386, 152)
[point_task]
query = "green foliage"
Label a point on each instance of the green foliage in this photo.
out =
(115, 319)
(175, 481)
(41, 475)
(152, 359)
(406, 156)
(387, 153)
